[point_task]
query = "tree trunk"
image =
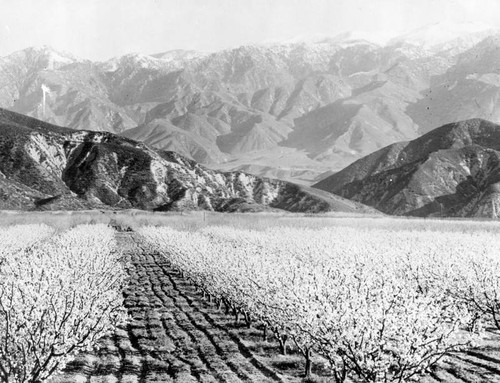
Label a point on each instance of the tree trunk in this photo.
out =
(226, 304)
(495, 319)
(282, 341)
(236, 314)
(308, 369)
(264, 333)
(248, 319)
(341, 375)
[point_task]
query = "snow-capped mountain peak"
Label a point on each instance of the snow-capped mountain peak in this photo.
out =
(178, 58)
(345, 38)
(132, 60)
(441, 35)
(360, 36)
(45, 56)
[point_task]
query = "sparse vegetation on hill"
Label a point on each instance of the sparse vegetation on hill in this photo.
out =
(289, 111)
(452, 171)
(43, 167)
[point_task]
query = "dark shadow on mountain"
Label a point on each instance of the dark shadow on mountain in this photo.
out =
(368, 88)
(318, 130)
(450, 204)
(44, 201)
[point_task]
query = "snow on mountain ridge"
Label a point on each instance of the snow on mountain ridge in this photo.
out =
(441, 34)
(327, 102)
(434, 37)
(135, 60)
(426, 37)
(179, 57)
(50, 57)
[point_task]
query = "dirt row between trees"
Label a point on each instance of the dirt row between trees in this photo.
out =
(176, 336)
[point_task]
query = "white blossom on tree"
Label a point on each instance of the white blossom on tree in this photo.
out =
(57, 297)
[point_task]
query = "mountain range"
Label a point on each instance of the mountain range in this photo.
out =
(452, 171)
(296, 111)
(47, 167)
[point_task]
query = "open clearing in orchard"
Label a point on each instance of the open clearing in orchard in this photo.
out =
(174, 334)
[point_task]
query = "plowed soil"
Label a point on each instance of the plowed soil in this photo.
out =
(174, 335)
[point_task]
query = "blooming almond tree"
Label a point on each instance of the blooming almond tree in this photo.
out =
(57, 298)
(379, 307)
(388, 334)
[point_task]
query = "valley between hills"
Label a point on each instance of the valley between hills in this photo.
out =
(338, 124)
(296, 111)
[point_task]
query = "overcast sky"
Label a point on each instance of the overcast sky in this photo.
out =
(101, 29)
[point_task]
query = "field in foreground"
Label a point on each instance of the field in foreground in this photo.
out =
(175, 334)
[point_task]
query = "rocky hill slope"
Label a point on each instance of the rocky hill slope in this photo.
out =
(43, 166)
(293, 110)
(452, 171)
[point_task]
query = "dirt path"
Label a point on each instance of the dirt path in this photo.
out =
(175, 336)
(171, 336)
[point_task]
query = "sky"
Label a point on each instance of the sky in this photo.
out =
(102, 29)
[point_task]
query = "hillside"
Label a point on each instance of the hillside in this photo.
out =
(43, 166)
(323, 103)
(452, 171)
(468, 89)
